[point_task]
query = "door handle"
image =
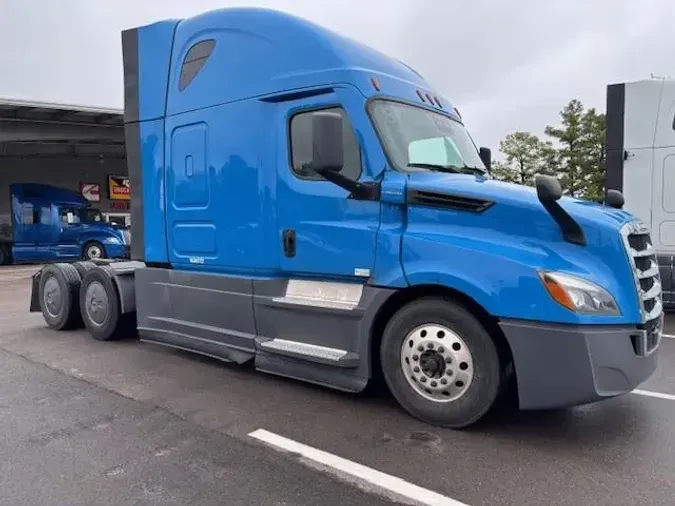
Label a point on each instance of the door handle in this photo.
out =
(289, 242)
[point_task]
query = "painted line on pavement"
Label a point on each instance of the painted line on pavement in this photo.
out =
(669, 335)
(380, 480)
(658, 395)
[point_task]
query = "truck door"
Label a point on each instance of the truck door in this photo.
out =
(69, 229)
(663, 189)
(322, 232)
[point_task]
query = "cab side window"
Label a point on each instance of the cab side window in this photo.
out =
(29, 214)
(301, 146)
(64, 212)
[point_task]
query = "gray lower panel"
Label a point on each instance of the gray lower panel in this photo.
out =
(564, 365)
(341, 320)
(203, 312)
(324, 375)
(309, 330)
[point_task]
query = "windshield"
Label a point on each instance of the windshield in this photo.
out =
(91, 214)
(416, 137)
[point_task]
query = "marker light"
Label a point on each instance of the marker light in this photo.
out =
(579, 295)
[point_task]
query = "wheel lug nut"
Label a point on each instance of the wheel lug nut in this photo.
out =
(448, 360)
(430, 345)
(416, 358)
(449, 373)
(434, 384)
(423, 379)
(420, 348)
(444, 381)
(441, 349)
(416, 369)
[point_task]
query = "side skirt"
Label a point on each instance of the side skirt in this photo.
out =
(314, 331)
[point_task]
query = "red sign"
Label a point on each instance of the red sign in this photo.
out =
(91, 191)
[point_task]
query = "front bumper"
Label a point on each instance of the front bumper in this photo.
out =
(566, 365)
(117, 251)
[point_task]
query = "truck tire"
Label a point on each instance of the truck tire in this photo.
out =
(100, 305)
(440, 363)
(58, 295)
(93, 250)
(83, 268)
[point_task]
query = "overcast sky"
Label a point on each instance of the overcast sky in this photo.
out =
(507, 65)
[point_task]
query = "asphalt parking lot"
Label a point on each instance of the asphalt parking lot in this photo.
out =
(87, 422)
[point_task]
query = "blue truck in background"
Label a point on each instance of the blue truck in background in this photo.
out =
(51, 224)
(308, 204)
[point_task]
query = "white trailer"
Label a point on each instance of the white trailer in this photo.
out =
(641, 162)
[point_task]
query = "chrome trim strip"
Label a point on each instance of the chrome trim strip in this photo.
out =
(310, 350)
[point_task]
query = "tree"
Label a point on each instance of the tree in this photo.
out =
(581, 152)
(525, 156)
(575, 153)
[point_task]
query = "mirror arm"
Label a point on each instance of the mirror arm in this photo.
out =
(359, 191)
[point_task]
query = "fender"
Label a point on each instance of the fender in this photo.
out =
(500, 274)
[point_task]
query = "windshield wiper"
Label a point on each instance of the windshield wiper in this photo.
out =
(437, 167)
(448, 168)
(472, 170)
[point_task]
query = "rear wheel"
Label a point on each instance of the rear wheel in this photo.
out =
(100, 306)
(440, 363)
(58, 290)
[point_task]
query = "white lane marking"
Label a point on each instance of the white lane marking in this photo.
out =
(669, 335)
(658, 395)
(381, 480)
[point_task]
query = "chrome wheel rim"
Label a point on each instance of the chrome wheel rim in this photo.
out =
(52, 297)
(96, 303)
(93, 252)
(437, 363)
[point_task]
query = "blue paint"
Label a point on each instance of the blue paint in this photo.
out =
(219, 191)
(40, 231)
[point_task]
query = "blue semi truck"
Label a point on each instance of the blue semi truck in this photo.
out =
(305, 203)
(51, 224)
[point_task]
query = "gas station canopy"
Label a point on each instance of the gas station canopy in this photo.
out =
(35, 130)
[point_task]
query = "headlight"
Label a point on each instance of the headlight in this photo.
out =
(112, 240)
(579, 295)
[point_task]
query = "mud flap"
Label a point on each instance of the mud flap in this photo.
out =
(35, 293)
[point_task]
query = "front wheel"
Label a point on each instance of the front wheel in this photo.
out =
(93, 251)
(440, 363)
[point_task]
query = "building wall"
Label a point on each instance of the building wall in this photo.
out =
(63, 172)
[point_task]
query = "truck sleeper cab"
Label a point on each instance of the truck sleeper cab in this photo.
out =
(318, 209)
(54, 224)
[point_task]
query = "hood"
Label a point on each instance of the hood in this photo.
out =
(517, 201)
(103, 227)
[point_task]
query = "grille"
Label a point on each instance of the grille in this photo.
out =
(638, 243)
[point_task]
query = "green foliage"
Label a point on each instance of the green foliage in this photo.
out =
(525, 155)
(575, 152)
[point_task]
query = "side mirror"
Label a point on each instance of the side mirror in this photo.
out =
(327, 147)
(614, 198)
(486, 157)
